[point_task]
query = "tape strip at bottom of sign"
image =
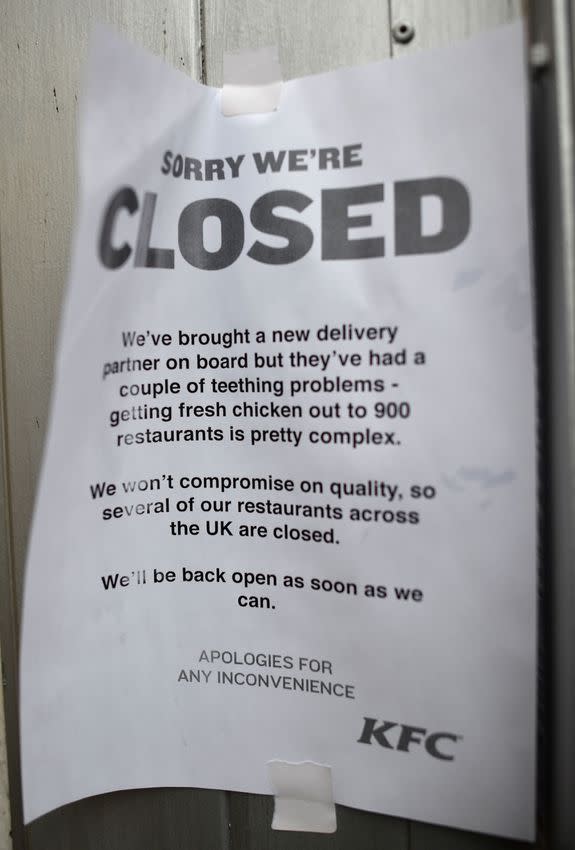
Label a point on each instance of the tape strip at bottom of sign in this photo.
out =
(252, 82)
(303, 796)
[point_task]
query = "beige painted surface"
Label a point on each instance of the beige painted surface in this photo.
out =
(439, 22)
(42, 48)
(312, 35)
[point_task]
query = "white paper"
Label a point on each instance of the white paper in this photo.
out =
(414, 676)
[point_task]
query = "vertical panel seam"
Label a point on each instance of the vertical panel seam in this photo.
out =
(227, 825)
(389, 26)
(201, 16)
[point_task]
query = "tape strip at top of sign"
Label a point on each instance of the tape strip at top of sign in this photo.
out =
(252, 82)
(291, 456)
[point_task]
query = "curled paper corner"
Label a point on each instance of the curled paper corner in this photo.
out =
(252, 82)
(303, 796)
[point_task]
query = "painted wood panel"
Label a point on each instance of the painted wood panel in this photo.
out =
(437, 23)
(440, 22)
(43, 45)
(149, 819)
(312, 35)
(42, 51)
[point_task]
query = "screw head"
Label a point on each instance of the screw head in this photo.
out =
(402, 32)
(539, 56)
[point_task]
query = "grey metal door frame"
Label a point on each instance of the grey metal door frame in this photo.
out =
(552, 24)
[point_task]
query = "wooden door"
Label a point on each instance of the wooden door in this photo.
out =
(42, 48)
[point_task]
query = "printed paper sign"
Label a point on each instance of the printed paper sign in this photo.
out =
(287, 509)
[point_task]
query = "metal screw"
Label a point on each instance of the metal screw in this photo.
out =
(402, 32)
(539, 55)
